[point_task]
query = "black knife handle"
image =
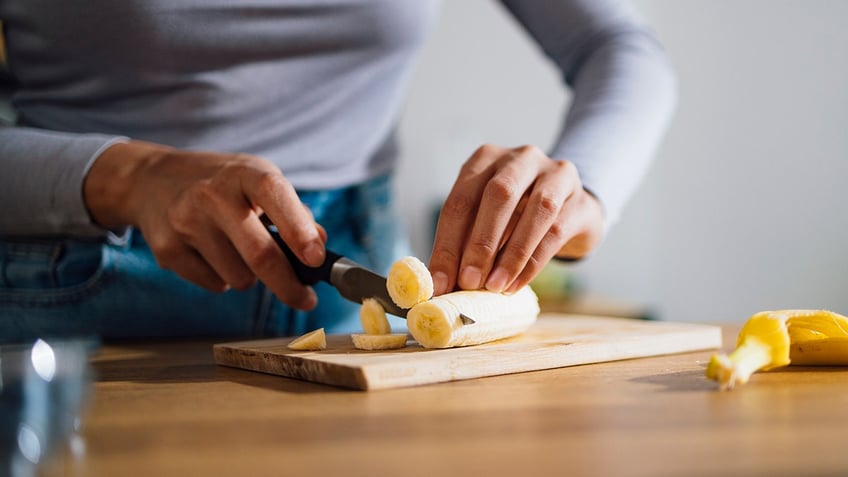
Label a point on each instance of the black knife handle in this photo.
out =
(306, 274)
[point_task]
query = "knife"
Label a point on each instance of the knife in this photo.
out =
(353, 281)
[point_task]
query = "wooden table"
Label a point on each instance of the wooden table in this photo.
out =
(163, 409)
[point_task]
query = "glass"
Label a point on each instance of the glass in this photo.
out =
(44, 386)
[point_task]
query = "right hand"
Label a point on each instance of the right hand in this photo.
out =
(200, 214)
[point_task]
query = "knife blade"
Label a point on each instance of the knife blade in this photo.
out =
(353, 281)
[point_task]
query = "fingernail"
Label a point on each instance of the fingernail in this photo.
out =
(497, 280)
(470, 278)
(440, 283)
(314, 254)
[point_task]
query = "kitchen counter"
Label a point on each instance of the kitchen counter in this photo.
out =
(165, 408)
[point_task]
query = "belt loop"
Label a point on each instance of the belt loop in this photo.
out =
(3, 252)
(55, 256)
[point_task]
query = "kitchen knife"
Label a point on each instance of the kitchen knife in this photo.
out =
(353, 281)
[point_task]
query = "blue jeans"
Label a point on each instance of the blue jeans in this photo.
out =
(71, 287)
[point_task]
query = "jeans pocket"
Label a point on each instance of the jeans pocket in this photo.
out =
(43, 272)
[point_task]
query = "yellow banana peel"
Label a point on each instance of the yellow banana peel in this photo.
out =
(772, 339)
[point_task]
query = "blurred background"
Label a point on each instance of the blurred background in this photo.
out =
(744, 208)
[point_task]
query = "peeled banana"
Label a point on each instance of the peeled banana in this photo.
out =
(772, 339)
(436, 323)
(409, 282)
(312, 341)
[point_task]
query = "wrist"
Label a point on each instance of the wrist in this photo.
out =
(110, 188)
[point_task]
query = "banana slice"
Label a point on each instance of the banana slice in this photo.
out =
(409, 282)
(312, 341)
(373, 318)
(379, 342)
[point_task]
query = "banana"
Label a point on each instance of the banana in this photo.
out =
(379, 342)
(312, 341)
(373, 318)
(409, 282)
(772, 339)
(436, 323)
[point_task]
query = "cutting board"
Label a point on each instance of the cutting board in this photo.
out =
(554, 341)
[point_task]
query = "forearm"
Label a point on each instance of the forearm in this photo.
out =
(624, 90)
(41, 185)
(624, 97)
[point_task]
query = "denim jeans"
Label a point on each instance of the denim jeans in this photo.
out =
(71, 287)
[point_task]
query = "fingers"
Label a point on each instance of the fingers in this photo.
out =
(239, 218)
(499, 202)
(509, 212)
(538, 224)
(187, 263)
(201, 219)
(265, 259)
(457, 218)
(275, 195)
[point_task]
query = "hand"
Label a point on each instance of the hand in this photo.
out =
(509, 212)
(200, 214)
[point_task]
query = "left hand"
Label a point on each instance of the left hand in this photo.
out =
(510, 211)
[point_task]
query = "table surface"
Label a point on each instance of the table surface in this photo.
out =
(165, 408)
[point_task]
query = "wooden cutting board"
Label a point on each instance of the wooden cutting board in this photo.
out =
(555, 341)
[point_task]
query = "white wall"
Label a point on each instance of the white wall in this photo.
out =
(745, 207)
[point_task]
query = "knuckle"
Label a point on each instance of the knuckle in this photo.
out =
(528, 150)
(533, 266)
(457, 206)
(444, 257)
(518, 252)
(302, 238)
(566, 168)
(167, 252)
(261, 257)
(557, 232)
(482, 247)
(549, 204)
(269, 183)
(502, 188)
(471, 168)
(180, 218)
(487, 149)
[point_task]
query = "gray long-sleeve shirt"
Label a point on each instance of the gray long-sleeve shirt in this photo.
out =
(315, 86)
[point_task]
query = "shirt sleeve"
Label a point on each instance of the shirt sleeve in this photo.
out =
(624, 90)
(41, 181)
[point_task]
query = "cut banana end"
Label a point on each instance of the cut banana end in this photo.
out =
(437, 323)
(379, 342)
(763, 344)
(409, 282)
(312, 341)
(373, 318)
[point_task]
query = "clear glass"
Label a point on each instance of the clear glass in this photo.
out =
(44, 387)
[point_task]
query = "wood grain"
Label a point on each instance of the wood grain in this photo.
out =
(166, 409)
(554, 341)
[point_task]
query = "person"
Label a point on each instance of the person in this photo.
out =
(151, 138)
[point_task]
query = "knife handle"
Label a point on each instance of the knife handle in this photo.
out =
(306, 274)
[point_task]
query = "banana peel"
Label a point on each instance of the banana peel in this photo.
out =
(773, 339)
